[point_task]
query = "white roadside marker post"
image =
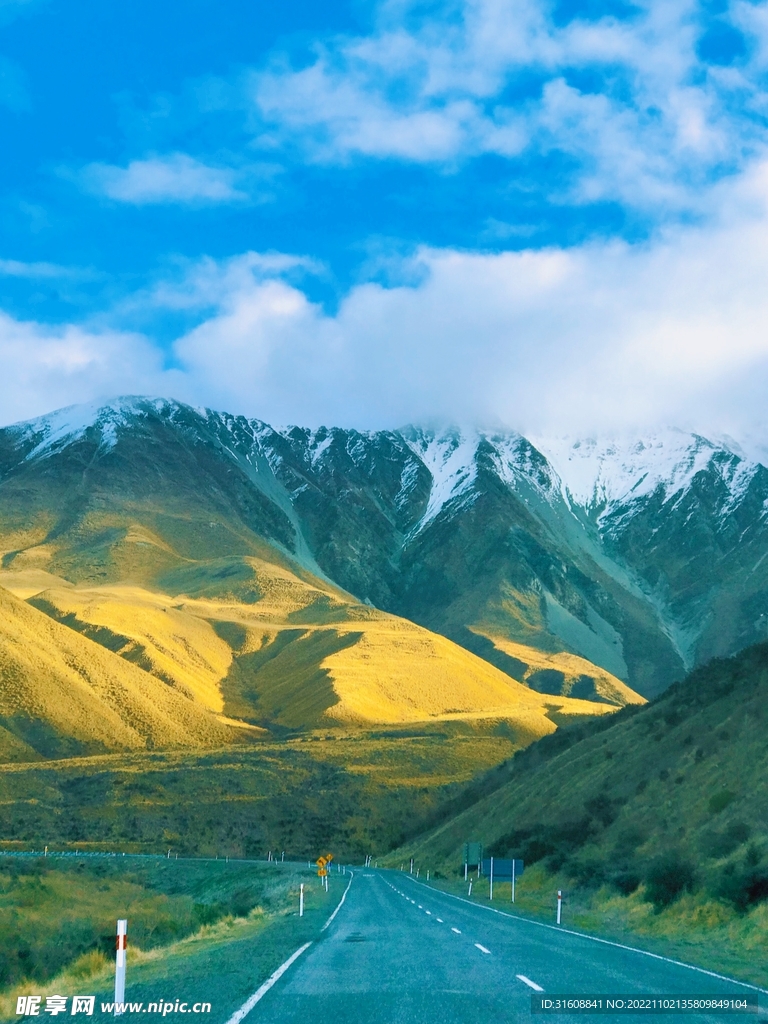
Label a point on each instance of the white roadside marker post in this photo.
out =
(491, 888)
(301, 901)
(427, 874)
(559, 904)
(122, 942)
(411, 865)
(470, 888)
(282, 857)
(45, 854)
(513, 880)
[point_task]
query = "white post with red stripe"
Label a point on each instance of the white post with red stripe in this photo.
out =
(122, 942)
(559, 904)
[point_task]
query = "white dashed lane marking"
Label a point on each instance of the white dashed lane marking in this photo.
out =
(456, 930)
(429, 912)
(482, 948)
(439, 919)
(529, 983)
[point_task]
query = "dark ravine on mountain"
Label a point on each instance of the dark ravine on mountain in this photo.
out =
(645, 558)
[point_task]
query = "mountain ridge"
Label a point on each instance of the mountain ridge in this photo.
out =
(644, 556)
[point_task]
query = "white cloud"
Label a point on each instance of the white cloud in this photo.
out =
(46, 368)
(40, 270)
(176, 178)
(630, 100)
(595, 336)
(599, 336)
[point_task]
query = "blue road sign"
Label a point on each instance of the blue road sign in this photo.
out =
(502, 868)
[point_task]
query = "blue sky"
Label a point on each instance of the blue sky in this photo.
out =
(546, 214)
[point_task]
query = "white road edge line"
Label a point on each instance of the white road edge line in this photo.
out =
(482, 948)
(529, 983)
(249, 1004)
(341, 904)
(594, 938)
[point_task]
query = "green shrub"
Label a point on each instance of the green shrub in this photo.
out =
(721, 800)
(668, 876)
(744, 883)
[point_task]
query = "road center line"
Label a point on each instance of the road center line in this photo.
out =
(249, 1004)
(529, 983)
(456, 930)
(439, 919)
(482, 948)
(429, 912)
(594, 938)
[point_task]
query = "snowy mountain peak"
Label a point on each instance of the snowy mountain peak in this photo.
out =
(601, 472)
(608, 475)
(450, 457)
(60, 428)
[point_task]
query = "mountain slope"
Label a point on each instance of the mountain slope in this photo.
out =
(680, 781)
(643, 558)
(300, 656)
(62, 693)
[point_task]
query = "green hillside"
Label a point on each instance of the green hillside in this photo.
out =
(661, 799)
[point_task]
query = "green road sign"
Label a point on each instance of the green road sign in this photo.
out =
(473, 854)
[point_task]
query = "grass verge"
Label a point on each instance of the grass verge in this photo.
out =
(67, 913)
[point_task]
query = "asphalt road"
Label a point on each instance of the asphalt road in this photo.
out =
(401, 953)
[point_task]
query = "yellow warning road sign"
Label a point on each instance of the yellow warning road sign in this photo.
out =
(322, 863)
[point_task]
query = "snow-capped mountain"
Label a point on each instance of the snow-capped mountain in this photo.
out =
(601, 475)
(644, 555)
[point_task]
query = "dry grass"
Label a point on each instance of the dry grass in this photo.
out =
(572, 666)
(398, 672)
(182, 665)
(81, 690)
(171, 643)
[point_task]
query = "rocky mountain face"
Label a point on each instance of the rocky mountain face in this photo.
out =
(646, 558)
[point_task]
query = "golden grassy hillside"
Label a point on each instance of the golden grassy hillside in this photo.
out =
(570, 673)
(56, 678)
(299, 654)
